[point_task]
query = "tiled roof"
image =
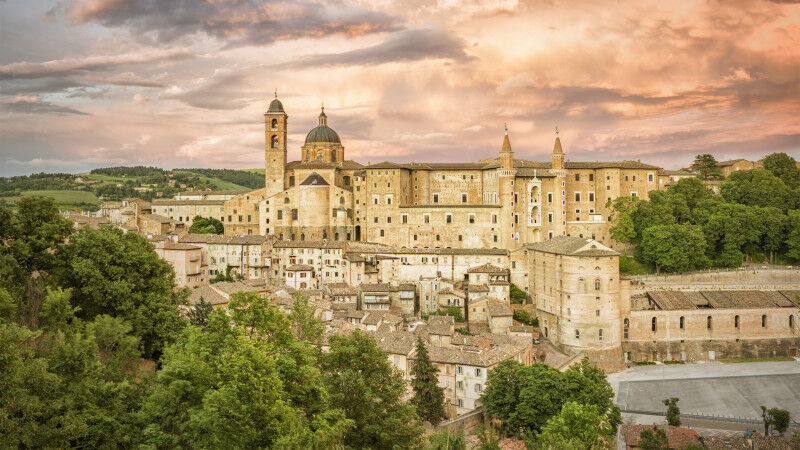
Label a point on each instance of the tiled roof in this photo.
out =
(487, 268)
(346, 165)
(209, 294)
(309, 244)
(314, 179)
(499, 309)
(249, 239)
(180, 246)
(441, 325)
(675, 300)
(377, 287)
(573, 246)
(298, 268)
(159, 218)
(174, 202)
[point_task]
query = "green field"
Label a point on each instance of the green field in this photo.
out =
(61, 197)
(261, 171)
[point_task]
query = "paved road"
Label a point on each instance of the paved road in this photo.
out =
(713, 389)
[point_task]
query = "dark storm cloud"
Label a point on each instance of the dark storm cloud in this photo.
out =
(237, 23)
(410, 45)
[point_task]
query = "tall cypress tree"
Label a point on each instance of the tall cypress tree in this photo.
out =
(428, 396)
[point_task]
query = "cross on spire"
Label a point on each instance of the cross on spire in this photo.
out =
(276, 92)
(506, 126)
(556, 130)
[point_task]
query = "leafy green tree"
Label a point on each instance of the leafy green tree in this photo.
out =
(691, 190)
(524, 398)
(455, 311)
(674, 248)
(68, 385)
(775, 418)
(623, 228)
(793, 237)
(307, 326)
(242, 381)
(673, 412)
(445, 440)
(31, 237)
(518, 296)
(576, 426)
(756, 187)
(210, 225)
(776, 225)
(706, 166)
(363, 383)
(523, 316)
(653, 438)
(784, 167)
(119, 274)
(199, 312)
(428, 395)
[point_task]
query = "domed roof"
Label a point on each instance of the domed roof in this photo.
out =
(323, 133)
(275, 106)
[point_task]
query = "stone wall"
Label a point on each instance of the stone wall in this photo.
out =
(740, 279)
(699, 350)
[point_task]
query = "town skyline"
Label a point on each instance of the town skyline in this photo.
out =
(117, 84)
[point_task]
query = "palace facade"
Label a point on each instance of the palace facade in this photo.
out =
(500, 202)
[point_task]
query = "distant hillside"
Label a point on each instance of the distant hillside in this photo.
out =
(87, 190)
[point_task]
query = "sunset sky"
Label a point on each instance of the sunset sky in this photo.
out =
(184, 83)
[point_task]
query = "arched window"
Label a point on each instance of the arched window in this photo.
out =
(791, 321)
(653, 324)
(291, 180)
(577, 334)
(682, 323)
(274, 141)
(581, 285)
(597, 285)
(625, 326)
(763, 321)
(346, 180)
(736, 321)
(333, 156)
(286, 200)
(341, 200)
(308, 155)
(302, 236)
(274, 124)
(708, 322)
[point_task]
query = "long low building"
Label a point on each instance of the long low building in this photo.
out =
(700, 325)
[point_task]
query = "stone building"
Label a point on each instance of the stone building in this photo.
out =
(734, 165)
(498, 203)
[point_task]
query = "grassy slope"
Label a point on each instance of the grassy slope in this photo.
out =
(61, 196)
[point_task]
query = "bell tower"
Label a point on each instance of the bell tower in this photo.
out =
(509, 234)
(275, 120)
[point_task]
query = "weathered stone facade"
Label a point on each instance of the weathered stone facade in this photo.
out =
(501, 202)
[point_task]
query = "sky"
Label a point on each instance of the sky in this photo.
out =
(185, 83)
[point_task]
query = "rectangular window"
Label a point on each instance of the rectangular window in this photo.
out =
(591, 196)
(448, 218)
(577, 196)
(280, 215)
(600, 335)
(426, 218)
(494, 218)
(650, 177)
(471, 218)
(388, 199)
(550, 218)
(549, 197)
(634, 194)
(577, 177)
(591, 177)
(435, 198)
(404, 218)
(388, 220)
(463, 198)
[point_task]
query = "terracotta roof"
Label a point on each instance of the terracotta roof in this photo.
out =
(248, 239)
(441, 325)
(173, 202)
(314, 179)
(180, 246)
(298, 268)
(209, 294)
(730, 162)
(487, 268)
(499, 309)
(346, 165)
(377, 287)
(677, 437)
(675, 300)
(159, 218)
(341, 289)
(230, 287)
(309, 244)
(573, 246)
(406, 287)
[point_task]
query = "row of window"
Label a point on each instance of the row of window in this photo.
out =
(709, 323)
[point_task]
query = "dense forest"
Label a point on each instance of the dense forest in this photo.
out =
(755, 217)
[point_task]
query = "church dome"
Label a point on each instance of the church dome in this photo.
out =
(323, 133)
(275, 106)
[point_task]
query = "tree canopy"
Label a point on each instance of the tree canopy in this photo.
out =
(202, 225)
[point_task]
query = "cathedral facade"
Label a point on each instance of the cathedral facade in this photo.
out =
(500, 202)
